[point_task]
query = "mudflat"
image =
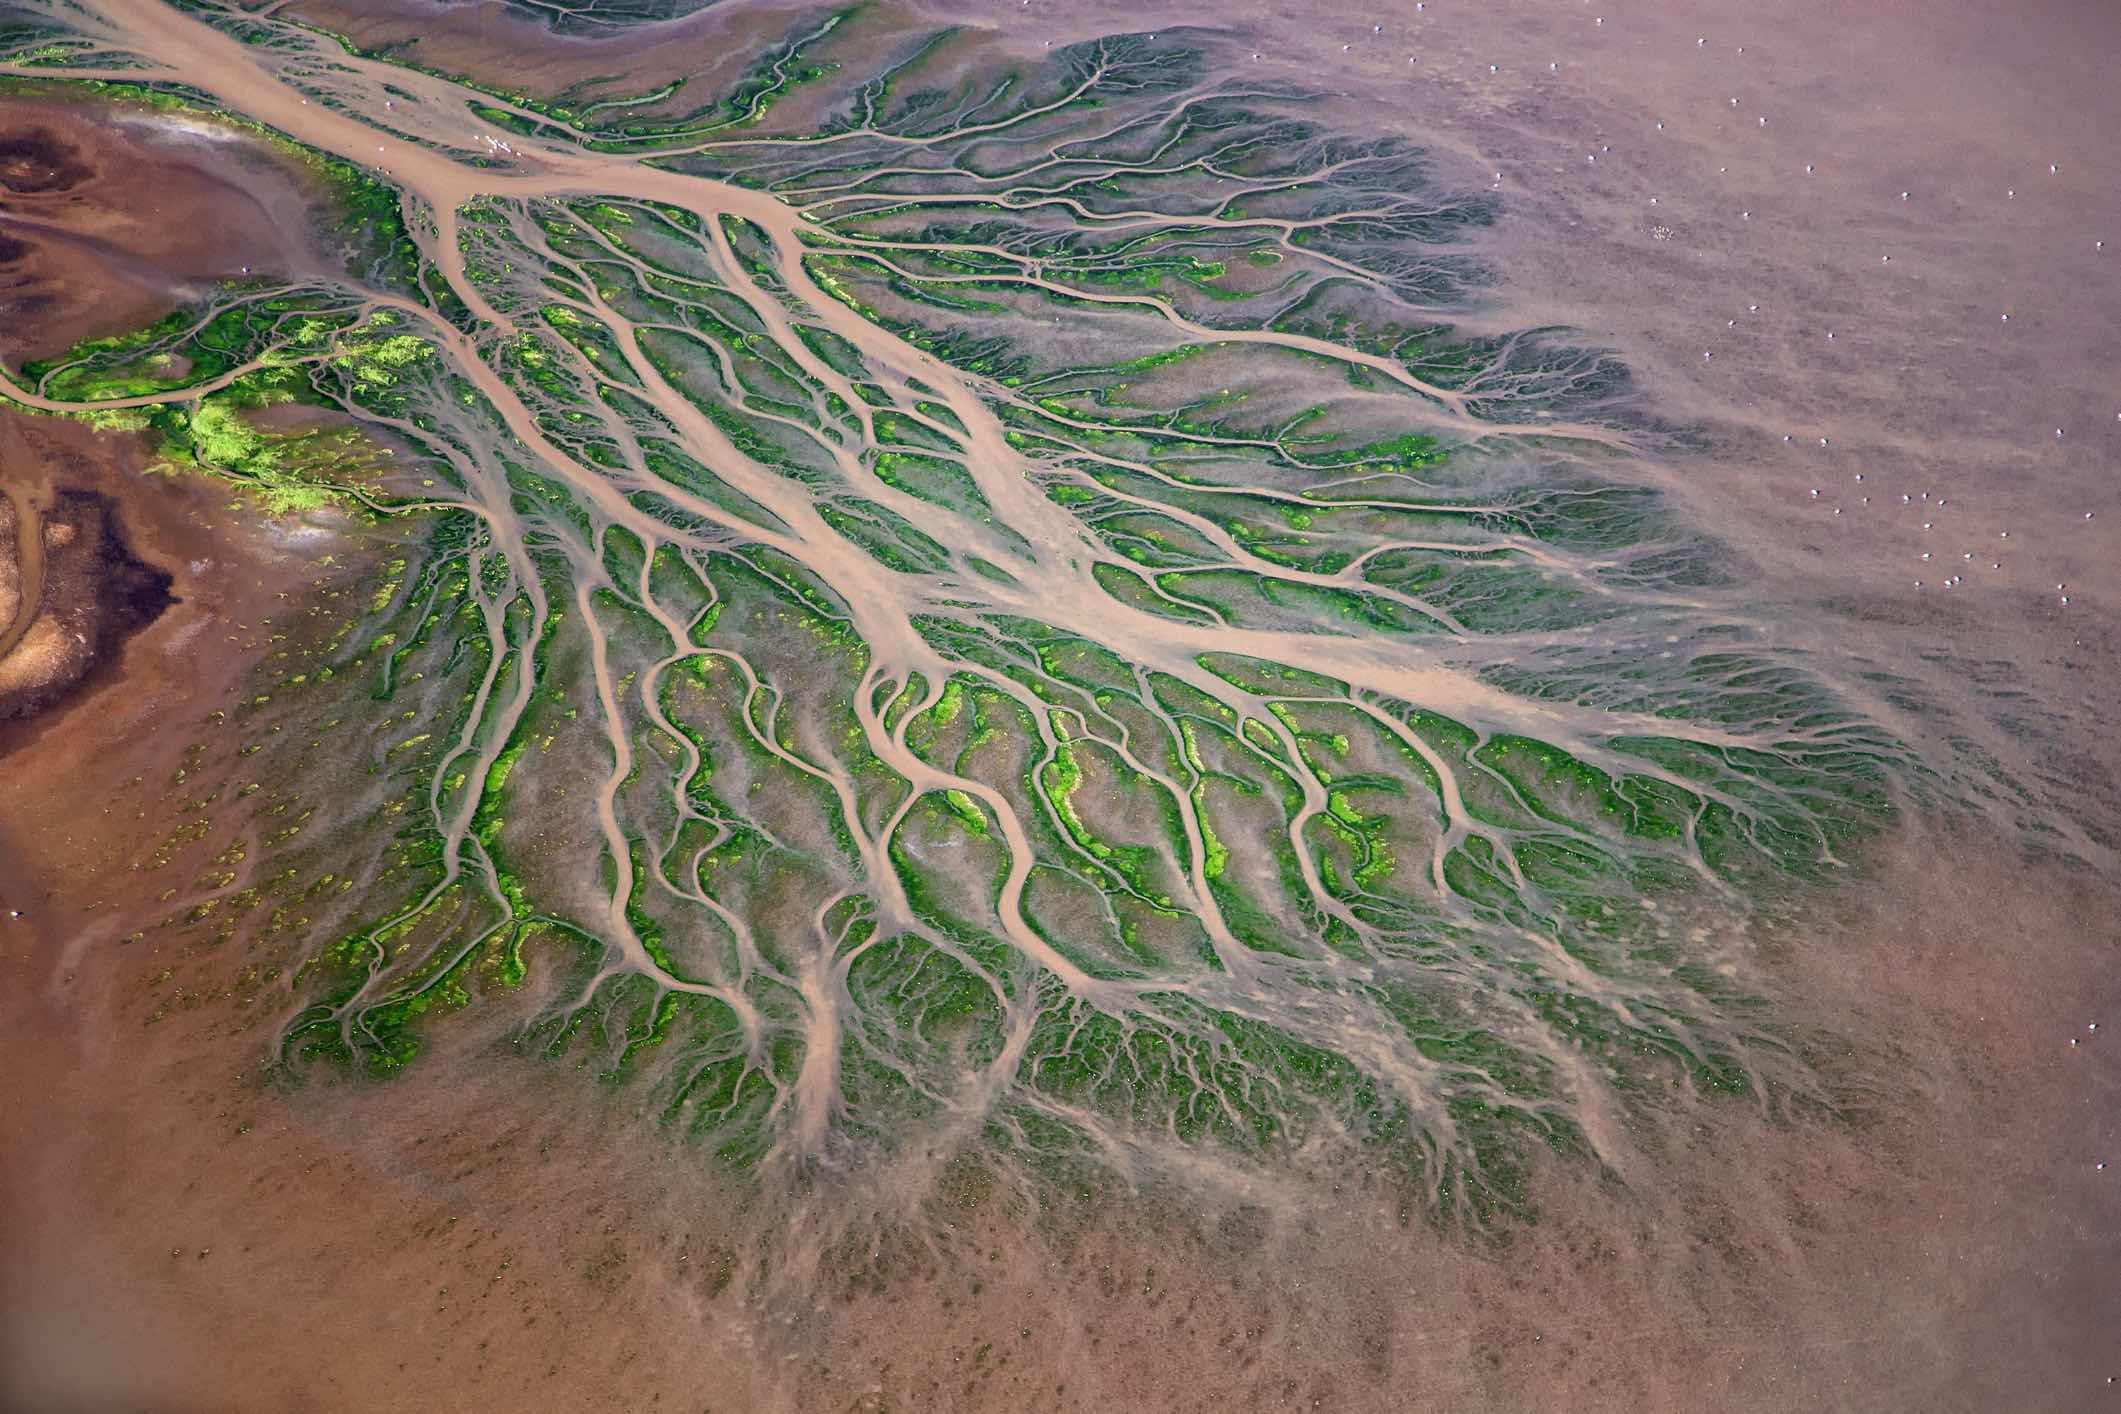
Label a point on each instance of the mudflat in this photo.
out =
(1101, 707)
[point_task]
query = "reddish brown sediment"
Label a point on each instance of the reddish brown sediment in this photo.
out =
(156, 567)
(114, 216)
(90, 594)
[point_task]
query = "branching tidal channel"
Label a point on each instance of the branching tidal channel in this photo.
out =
(945, 598)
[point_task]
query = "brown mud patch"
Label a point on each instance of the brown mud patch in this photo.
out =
(111, 216)
(93, 595)
(221, 574)
(95, 553)
(35, 161)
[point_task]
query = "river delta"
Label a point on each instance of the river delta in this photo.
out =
(767, 707)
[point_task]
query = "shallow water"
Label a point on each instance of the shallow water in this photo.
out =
(997, 716)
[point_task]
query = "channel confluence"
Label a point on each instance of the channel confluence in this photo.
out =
(1008, 608)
